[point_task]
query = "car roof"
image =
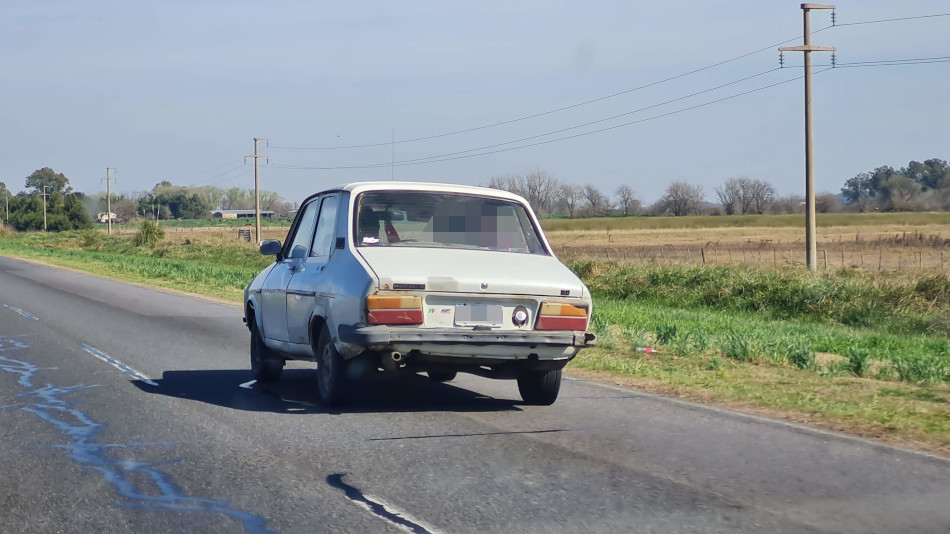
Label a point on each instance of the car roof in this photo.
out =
(360, 187)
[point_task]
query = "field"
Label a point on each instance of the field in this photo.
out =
(871, 241)
(862, 347)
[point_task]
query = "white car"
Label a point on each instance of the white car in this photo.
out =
(417, 277)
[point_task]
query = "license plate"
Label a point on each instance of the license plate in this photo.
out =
(479, 315)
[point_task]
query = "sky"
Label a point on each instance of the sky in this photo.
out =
(177, 90)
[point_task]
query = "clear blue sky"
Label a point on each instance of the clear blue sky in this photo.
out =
(177, 90)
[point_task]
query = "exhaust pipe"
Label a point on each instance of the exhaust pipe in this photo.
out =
(390, 361)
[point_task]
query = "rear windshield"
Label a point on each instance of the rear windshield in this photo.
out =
(443, 220)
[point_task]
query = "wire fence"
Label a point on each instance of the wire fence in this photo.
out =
(876, 259)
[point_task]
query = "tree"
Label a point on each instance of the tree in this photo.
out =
(744, 195)
(571, 197)
(762, 196)
(63, 212)
(827, 203)
(626, 200)
(928, 174)
(682, 198)
(49, 178)
(597, 202)
(859, 191)
(539, 188)
(898, 192)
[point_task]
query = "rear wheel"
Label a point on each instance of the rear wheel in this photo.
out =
(331, 371)
(441, 376)
(539, 388)
(266, 365)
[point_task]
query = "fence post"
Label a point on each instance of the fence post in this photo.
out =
(900, 259)
(880, 258)
(826, 257)
(702, 253)
(862, 259)
(842, 257)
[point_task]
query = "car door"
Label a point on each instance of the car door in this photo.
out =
(303, 291)
(274, 288)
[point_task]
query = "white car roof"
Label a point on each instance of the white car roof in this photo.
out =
(359, 187)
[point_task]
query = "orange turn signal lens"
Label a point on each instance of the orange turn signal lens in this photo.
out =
(393, 303)
(569, 310)
(557, 316)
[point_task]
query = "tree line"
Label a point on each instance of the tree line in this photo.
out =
(67, 209)
(920, 186)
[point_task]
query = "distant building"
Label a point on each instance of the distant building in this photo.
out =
(240, 214)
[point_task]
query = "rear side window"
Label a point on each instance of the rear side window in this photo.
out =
(444, 220)
(299, 246)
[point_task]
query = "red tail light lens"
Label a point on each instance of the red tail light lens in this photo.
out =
(394, 310)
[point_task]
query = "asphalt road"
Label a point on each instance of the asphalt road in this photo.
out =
(122, 409)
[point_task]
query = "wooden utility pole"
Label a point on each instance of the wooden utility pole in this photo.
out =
(811, 246)
(6, 202)
(257, 189)
(108, 179)
(44, 194)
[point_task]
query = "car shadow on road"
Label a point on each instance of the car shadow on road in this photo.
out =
(296, 393)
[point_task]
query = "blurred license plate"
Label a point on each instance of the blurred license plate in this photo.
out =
(478, 315)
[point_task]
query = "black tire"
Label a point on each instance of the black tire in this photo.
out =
(331, 371)
(266, 366)
(442, 376)
(539, 388)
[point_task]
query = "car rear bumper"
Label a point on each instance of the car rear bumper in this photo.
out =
(380, 337)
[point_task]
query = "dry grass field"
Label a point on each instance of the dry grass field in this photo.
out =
(890, 246)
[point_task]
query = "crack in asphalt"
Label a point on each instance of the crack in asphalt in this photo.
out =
(383, 510)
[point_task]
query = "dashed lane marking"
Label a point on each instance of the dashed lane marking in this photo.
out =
(21, 312)
(117, 364)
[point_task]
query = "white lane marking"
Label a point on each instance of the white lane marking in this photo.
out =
(21, 312)
(117, 364)
(248, 385)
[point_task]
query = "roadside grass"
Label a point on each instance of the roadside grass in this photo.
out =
(742, 221)
(898, 303)
(867, 353)
(212, 270)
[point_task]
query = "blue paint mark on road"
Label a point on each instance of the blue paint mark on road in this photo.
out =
(117, 364)
(48, 404)
(21, 312)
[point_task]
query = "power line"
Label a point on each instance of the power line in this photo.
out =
(847, 66)
(564, 138)
(549, 112)
(591, 123)
(228, 164)
(606, 97)
(892, 20)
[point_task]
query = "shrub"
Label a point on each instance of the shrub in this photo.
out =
(859, 361)
(926, 370)
(666, 333)
(737, 347)
(149, 233)
(801, 357)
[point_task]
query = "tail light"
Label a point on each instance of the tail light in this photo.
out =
(394, 310)
(556, 316)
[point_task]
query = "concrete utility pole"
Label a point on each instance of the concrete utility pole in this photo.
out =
(108, 179)
(257, 189)
(811, 246)
(44, 194)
